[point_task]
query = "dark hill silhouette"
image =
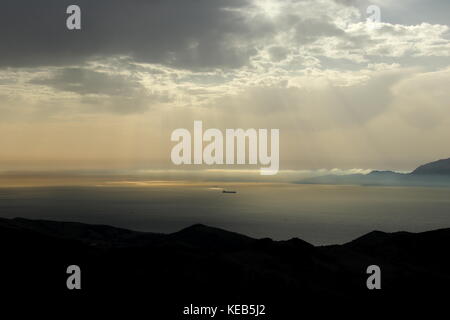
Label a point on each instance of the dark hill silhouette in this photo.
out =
(434, 174)
(440, 167)
(211, 238)
(200, 264)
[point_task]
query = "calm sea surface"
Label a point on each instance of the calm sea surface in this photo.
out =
(317, 214)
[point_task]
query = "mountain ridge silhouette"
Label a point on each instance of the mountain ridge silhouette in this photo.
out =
(432, 174)
(202, 264)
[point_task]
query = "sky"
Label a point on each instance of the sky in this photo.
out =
(345, 94)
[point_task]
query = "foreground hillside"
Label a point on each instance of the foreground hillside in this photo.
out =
(200, 264)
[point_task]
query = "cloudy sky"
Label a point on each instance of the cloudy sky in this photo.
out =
(344, 93)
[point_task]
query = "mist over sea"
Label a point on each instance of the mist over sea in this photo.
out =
(319, 214)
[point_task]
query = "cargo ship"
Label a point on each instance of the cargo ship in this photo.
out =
(228, 191)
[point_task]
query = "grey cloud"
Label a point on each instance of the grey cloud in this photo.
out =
(101, 92)
(414, 12)
(278, 53)
(84, 81)
(191, 34)
(309, 30)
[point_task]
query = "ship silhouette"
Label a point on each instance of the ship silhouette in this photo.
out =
(228, 191)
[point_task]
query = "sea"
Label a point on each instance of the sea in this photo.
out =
(319, 214)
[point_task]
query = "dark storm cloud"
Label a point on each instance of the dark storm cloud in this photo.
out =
(186, 33)
(191, 34)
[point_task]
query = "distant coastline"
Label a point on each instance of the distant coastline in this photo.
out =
(433, 174)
